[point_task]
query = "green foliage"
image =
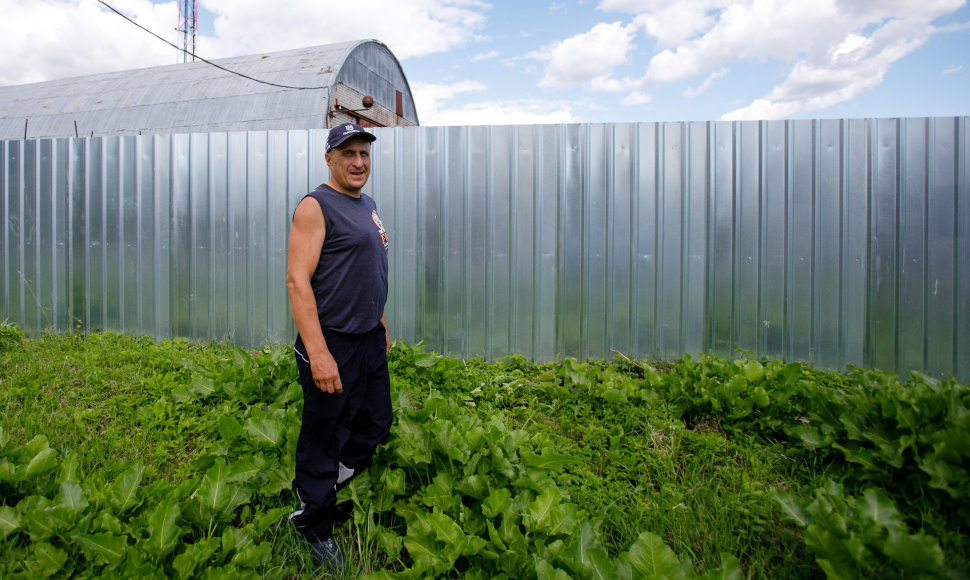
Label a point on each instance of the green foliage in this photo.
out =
(124, 457)
(10, 336)
(859, 537)
(66, 522)
(743, 395)
(915, 435)
(75, 525)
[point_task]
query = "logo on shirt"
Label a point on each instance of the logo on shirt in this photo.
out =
(380, 228)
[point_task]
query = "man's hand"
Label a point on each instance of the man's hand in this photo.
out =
(325, 373)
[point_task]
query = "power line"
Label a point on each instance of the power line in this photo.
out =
(208, 62)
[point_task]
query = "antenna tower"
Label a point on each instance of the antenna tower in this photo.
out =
(188, 23)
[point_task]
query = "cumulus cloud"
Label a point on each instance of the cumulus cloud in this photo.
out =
(748, 30)
(824, 51)
(834, 49)
(694, 91)
(412, 28)
(428, 97)
(485, 55)
(51, 39)
(63, 38)
(673, 24)
(848, 69)
(589, 57)
(637, 98)
(432, 102)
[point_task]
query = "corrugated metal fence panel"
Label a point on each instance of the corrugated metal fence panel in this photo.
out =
(838, 242)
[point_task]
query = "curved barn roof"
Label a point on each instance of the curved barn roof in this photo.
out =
(196, 97)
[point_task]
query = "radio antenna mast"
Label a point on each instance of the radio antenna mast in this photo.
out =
(188, 23)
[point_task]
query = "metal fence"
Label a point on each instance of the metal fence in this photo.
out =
(836, 242)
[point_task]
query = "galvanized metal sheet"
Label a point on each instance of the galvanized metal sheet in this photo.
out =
(840, 242)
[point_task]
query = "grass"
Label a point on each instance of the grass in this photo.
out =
(103, 389)
(703, 489)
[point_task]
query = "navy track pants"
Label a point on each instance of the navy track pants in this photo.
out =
(339, 428)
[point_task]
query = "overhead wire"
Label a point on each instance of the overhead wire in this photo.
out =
(208, 62)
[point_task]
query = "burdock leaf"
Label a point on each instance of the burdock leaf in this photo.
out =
(229, 428)
(876, 505)
(216, 497)
(497, 502)
(583, 541)
(48, 560)
(653, 558)
(425, 554)
(248, 467)
(915, 552)
(123, 492)
(548, 461)
(72, 497)
(163, 526)
(265, 431)
(9, 521)
(600, 564)
(44, 460)
(102, 548)
(791, 508)
(540, 511)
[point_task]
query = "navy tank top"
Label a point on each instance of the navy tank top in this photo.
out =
(350, 281)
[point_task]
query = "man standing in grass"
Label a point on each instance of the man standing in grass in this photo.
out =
(337, 281)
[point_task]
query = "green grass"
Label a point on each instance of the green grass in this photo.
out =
(703, 491)
(103, 394)
(650, 450)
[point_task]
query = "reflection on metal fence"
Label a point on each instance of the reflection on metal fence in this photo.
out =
(843, 242)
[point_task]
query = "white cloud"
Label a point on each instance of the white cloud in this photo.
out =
(637, 98)
(586, 58)
(676, 23)
(428, 98)
(825, 51)
(751, 29)
(694, 91)
(431, 101)
(834, 49)
(609, 84)
(49, 39)
(409, 29)
(851, 68)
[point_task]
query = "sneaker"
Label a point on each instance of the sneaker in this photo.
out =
(327, 553)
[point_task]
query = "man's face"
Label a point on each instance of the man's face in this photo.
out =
(349, 165)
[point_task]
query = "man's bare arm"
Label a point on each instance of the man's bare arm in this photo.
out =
(306, 242)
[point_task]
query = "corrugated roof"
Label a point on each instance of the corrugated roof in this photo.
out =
(196, 97)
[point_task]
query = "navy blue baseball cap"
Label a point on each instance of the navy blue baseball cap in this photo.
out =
(341, 133)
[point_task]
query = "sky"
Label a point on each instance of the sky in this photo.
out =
(477, 62)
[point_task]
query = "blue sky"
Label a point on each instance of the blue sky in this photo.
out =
(519, 62)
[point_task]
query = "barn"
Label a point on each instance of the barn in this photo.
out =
(307, 88)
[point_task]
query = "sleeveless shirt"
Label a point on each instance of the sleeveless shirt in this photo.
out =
(350, 281)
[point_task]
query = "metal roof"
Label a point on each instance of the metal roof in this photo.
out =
(196, 97)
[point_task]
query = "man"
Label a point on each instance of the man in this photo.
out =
(336, 277)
